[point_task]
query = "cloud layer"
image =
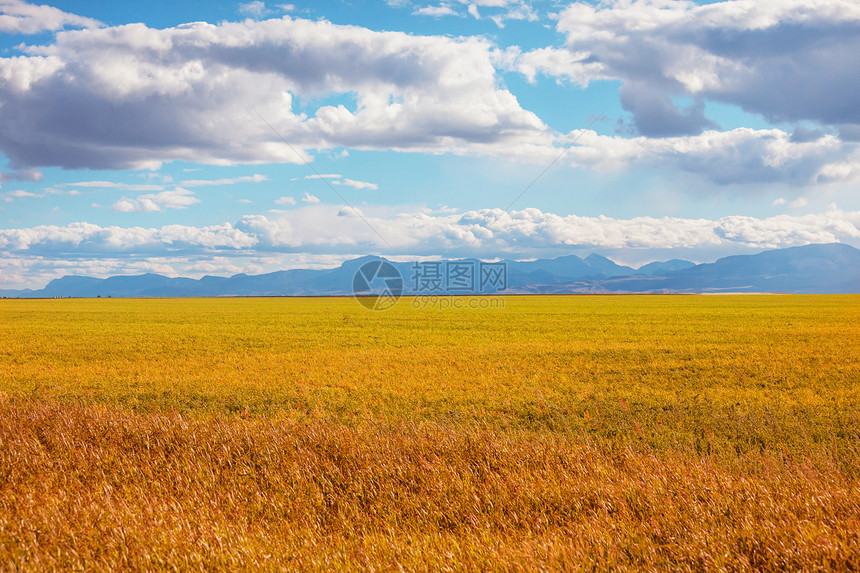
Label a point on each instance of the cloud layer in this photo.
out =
(134, 97)
(330, 233)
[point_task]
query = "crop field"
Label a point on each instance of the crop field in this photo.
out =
(534, 433)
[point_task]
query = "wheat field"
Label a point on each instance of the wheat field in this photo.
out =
(543, 433)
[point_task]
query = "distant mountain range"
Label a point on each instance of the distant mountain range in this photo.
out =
(831, 268)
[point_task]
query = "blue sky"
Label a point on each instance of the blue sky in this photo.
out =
(192, 138)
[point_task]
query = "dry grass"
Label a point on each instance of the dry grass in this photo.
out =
(561, 433)
(104, 488)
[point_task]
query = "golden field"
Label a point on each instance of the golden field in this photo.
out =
(555, 433)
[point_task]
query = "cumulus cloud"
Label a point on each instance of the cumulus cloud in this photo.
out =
(83, 239)
(176, 199)
(787, 60)
(332, 229)
(135, 97)
(531, 232)
(285, 201)
(308, 198)
(785, 230)
(19, 17)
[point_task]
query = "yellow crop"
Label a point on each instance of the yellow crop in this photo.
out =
(641, 432)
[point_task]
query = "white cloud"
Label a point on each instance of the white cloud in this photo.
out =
(254, 9)
(114, 185)
(530, 232)
(285, 201)
(85, 238)
(784, 230)
(500, 10)
(336, 179)
(724, 157)
(308, 198)
(176, 199)
(257, 9)
(435, 11)
(323, 176)
(10, 196)
(357, 184)
(256, 178)
(332, 229)
(19, 17)
(21, 193)
(574, 67)
(847, 170)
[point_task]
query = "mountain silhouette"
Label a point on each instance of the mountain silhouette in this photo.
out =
(829, 268)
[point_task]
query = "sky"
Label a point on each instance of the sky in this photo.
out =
(212, 138)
